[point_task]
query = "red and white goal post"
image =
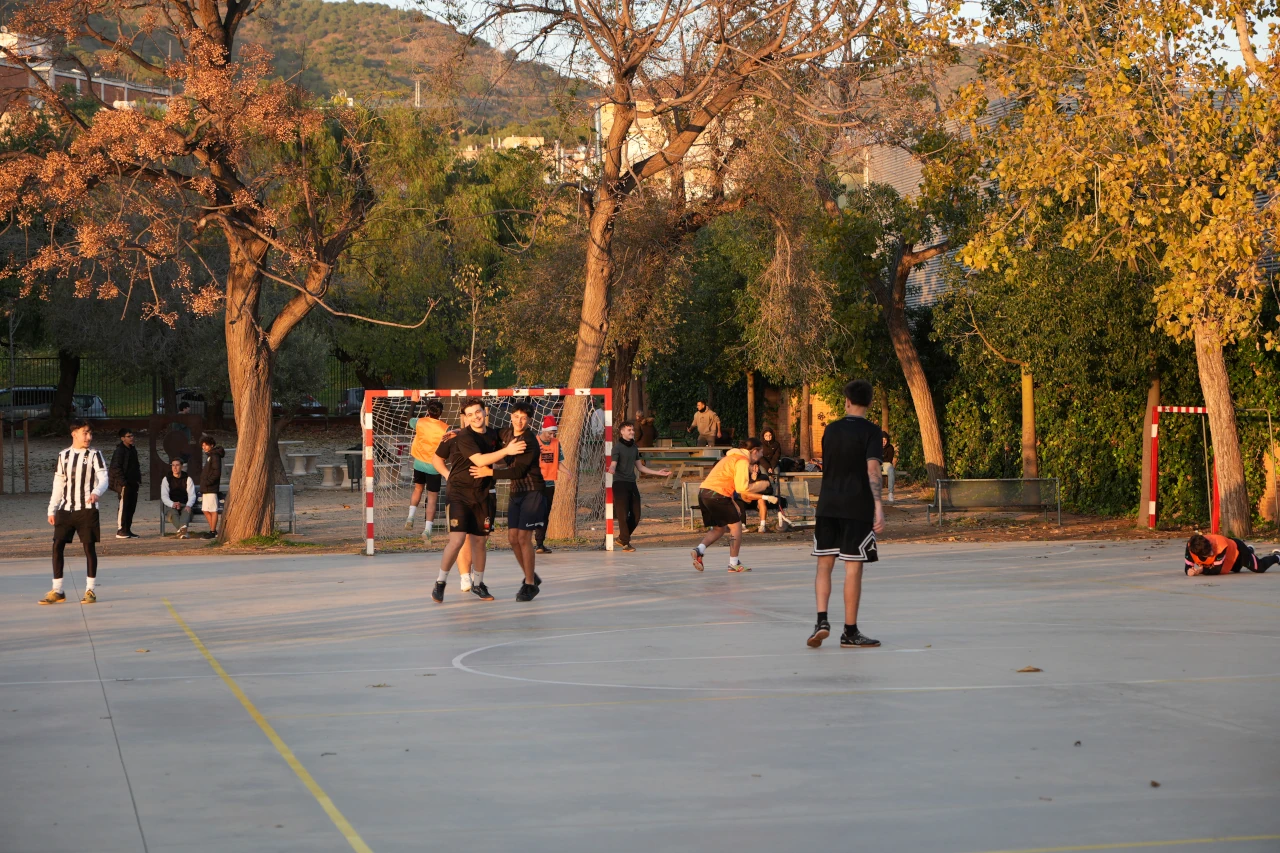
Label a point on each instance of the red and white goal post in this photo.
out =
(1155, 463)
(388, 463)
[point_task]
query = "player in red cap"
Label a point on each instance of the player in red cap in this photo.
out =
(549, 458)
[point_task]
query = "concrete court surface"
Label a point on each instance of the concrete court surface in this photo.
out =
(639, 706)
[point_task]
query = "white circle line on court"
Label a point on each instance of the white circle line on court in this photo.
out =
(458, 664)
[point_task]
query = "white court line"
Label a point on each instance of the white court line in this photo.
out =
(457, 662)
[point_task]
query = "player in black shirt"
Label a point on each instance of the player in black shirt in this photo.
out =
(527, 507)
(470, 509)
(849, 513)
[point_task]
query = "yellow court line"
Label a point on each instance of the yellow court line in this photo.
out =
(1133, 845)
(344, 826)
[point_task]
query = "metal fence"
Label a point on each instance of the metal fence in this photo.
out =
(125, 395)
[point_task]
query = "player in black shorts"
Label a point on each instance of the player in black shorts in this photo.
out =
(849, 513)
(470, 508)
(527, 508)
(79, 482)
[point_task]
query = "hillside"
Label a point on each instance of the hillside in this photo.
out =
(375, 52)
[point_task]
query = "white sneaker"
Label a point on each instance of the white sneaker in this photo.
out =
(890, 498)
(464, 582)
(408, 523)
(762, 527)
(426, 532)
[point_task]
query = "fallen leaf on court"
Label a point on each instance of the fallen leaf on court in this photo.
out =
(929, 646)
(142, 651)
(1155, 784)
(1077, 743)
(323, 754)
(346, 506)
(1031, 669)
(1047, 799)
(379, 685)
(755, 775)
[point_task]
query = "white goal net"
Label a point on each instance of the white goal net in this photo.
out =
(388, 464)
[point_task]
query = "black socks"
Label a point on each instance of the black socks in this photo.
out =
(822, 617)
(851, 629)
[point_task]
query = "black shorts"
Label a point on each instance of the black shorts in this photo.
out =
(469, 514)
(717, 510)
(850, 539)
(527, 511)
(66, 524)
(431, 481)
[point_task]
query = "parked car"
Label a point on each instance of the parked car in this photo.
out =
(26, 401)
(193, 396)
(310, 406)
(351, 401)
(88, 406)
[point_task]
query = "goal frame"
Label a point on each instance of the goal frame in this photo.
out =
(366, 432)
(1155, 464)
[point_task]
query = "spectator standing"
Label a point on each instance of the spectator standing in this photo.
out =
(550, 455)
(707, 423)
(646, 431)
(210, 481)
(125, 477)
(771, 451)
(79, 479)
(626, 465)
(887, 454)
(177, 497)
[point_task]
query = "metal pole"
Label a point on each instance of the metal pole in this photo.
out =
(1, 456)
(26, 457)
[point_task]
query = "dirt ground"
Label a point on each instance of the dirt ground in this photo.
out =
(333, 520)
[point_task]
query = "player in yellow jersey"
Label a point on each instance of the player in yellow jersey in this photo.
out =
(730, 478)
(427, 434)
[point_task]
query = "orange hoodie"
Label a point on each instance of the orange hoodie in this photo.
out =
(731, 474)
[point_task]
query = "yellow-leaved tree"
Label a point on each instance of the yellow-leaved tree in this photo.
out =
(1151, 127)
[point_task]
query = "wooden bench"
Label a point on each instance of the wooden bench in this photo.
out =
(996, 496)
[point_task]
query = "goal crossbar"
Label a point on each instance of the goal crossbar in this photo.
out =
(419, 395)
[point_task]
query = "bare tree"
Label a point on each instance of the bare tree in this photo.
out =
(691, 62)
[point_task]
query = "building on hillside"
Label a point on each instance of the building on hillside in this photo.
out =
(562, 162)
(17, 81)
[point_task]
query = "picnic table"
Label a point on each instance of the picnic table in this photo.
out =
(303, 463)
(284, 448)
(682, 452)
(681, 466)
(331, 472)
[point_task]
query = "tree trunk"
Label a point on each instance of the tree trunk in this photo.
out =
(368, 381)
(621, 372)
(806, 416)
(1144, 496)
(214, 411)
(251, 497)
(593, 327)
(1267, 504)
(751, 404)
(1222, 426)
(1030, 458)
(921, 396)
(63, 406)
(169, 392)
(783, 432)
(884, 409)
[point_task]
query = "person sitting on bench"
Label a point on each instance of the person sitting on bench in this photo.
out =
(1211, 554)
(177, 497)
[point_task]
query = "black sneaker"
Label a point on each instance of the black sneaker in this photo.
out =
(480, 591)
(122, 535)
(628, 547)
(821, 631)
(857, 640)
(542, 549)
(537, 581)
(437, 594)
(133, 535)
(527, 592)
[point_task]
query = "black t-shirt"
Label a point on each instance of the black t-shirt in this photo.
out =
(887, 453)
(624, 457)
(523, 470)
(457, 453)
(847, 444)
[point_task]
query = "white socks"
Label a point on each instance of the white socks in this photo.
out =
(443, 576)
(57, 584)
(464, 581)
(701, 549)
(413, 510)
(90, 583)
(426, 531)
(733, 561)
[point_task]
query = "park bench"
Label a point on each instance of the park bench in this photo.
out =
(285, 512)
(1036, 495)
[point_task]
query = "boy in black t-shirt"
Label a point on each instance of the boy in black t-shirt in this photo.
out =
(470, 509)
(849, 513)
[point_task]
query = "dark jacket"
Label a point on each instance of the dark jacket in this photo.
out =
(772, 452)
(211, 474)
(124, 469)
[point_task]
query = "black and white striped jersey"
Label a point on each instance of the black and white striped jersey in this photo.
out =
(79, 473)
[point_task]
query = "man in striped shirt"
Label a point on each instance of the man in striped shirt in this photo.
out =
(79, 480)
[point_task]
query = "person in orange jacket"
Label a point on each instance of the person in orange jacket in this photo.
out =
(1211, 554)
(729, 479)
